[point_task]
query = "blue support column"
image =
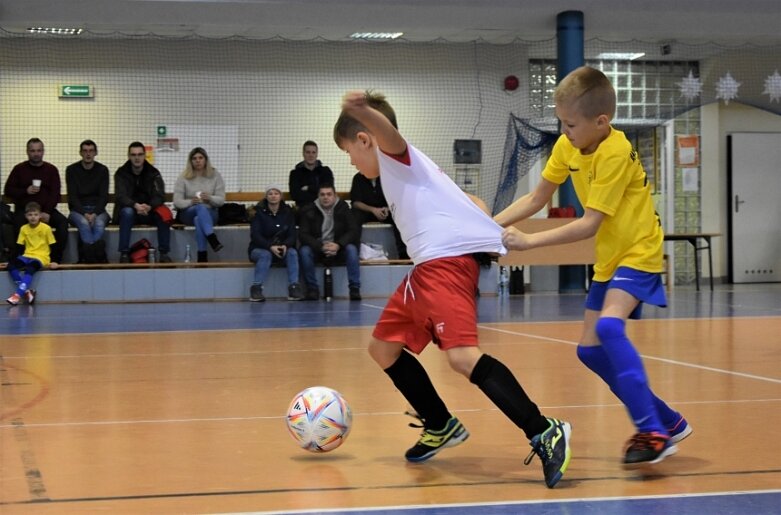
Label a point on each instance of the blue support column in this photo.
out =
(570, 42)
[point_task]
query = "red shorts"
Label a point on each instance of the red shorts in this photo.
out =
(435, 302)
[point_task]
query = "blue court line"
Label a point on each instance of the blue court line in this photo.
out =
(737, 503)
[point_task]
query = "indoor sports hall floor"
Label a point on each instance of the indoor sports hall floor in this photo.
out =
(178, 408)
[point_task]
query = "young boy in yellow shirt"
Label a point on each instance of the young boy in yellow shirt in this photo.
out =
(612, 186)
(36, 237)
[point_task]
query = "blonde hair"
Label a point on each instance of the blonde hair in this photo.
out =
(347, 127)
(188, 172)
(589, 91)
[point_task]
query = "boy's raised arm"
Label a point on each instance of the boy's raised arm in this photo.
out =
(388, 138)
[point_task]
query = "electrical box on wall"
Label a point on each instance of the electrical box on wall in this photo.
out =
(467, 156)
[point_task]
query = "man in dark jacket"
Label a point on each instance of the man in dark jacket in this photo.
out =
(307, 177)
(139, 191)
(36, 180)
(273, 240)
(369, 205)
(87, 182)
(329, 234)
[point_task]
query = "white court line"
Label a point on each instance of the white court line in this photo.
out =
(645, 356)
(356, 414)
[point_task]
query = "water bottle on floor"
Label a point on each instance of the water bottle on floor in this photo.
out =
(328, 284)
(187, 254)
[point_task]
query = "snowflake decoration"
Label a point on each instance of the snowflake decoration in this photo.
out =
(773, 87)
(691, 87)
(727, 88)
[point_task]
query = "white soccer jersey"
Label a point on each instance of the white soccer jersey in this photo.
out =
(435, 218)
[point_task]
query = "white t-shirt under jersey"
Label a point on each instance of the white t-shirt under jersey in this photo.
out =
(435, 218)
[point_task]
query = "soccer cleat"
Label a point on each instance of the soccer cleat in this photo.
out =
(680, 430)
(648, 448)
(431, 442)
(14, 299)
(552, 446)
(29, 296)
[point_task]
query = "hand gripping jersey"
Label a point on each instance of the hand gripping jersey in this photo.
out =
(435, 218)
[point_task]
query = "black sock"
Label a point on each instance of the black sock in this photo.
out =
(499, 384)
(413, 382)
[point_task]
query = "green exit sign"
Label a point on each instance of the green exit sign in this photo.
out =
(75, 91)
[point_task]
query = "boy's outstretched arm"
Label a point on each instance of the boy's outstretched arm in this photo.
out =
(388, 138)
(528, 204)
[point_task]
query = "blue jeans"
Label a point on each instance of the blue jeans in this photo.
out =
(263, 259)
(89, 234)
(347, 254)
(128, 217)
(203, 218)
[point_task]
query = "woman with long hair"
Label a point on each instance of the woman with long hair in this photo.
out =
(198, 193)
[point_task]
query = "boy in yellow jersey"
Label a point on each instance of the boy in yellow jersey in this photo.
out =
(36, 237)
(613, 188)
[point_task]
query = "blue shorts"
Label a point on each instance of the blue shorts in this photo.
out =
(644, 286)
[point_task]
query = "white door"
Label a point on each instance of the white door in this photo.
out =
(755, 174)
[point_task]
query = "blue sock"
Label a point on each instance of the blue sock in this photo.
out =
(595, 358)
(16, 274)
(631, 384)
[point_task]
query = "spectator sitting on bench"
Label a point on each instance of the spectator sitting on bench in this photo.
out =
(273, 240)
(198, 192)
(306, 178)
(369, 205)
(36, 180)
(87, 182)
(329, 234)
(139, 190)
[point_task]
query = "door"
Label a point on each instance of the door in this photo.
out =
(755, 206)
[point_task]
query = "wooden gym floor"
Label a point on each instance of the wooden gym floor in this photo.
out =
(178, 408)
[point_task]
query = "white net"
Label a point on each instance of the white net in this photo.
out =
(253, 103)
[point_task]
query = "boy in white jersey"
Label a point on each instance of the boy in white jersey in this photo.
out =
(443, 230)
(613, 188)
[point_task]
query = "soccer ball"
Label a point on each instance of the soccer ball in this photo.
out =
(319, 419)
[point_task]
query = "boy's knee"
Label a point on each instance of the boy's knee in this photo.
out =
(464, 359)
(609, 328)
(384, 353)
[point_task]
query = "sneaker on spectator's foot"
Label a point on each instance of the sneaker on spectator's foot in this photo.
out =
(680, 430)
(431, 442)
(124, 257)
(294, 292)
(648, 448)
(312, 294)
(552, 446)
(256, 293)
(29, 296)
(165, 258)
(14, 299)
(355, 293)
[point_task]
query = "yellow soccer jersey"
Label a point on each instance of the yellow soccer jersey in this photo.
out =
(612, 181)
(36, 241)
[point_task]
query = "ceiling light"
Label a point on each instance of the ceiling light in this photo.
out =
(620, 56)
(376, 35)
(57, 31)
